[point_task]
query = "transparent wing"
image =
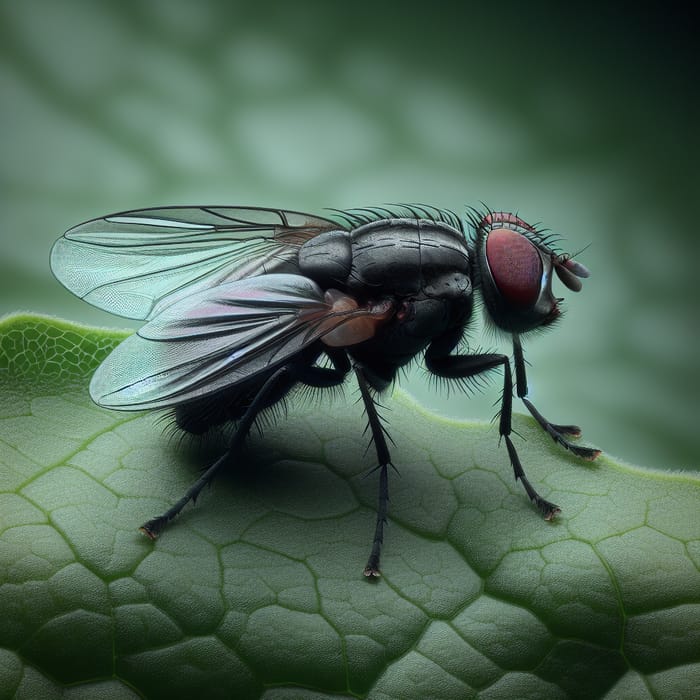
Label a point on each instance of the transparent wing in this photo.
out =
(136, 263)
(217, 338)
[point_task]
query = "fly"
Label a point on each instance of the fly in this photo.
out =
(243, 304)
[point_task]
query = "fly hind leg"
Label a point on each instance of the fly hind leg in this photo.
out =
(272, 390)
(275, 386)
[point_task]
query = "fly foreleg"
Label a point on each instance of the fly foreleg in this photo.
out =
(556, 432)
(465, 366)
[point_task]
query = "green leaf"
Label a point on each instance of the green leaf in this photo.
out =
(257, 590)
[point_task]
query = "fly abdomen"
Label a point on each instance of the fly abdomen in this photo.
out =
(201, 415)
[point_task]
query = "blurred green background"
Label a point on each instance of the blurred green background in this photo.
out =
(587, 124)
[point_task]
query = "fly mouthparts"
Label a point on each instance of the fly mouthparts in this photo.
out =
(577, 268)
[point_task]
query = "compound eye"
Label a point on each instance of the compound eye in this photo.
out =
(515, 265)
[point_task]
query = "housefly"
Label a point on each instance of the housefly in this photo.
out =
(243, 304)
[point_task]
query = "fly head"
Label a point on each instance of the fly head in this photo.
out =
(514, 264)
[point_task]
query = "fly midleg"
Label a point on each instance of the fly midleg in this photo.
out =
(384, 462)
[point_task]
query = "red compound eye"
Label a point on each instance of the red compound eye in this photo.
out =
(516, 266)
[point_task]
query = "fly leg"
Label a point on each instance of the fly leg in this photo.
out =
(276, 381)
(441, 363)
(273, 389)
(384, 462)
(556, 432)
(325, 377)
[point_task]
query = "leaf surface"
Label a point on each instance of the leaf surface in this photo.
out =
(257, 590)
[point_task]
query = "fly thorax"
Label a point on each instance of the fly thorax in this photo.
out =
(386, 258)
(447, 285)
(327, 258)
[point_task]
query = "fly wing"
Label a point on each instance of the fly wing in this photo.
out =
(136, 263)
(215, 339)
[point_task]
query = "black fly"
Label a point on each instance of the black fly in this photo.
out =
(242, 304)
